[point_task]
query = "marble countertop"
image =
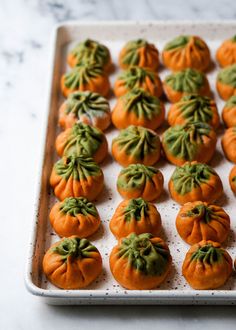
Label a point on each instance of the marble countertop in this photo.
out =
(25, 28)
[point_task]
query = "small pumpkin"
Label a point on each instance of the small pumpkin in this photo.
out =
(74, 216)
(137, 77)
(197, 221)
(136, 144)
(82, 139)
(186, 51)
(194, 107)
(83, 77)
(86, 107)
(189, 142)
(229, 144)
(138, 180)
(140, 262)
(187, 81)
(135, 216)
(76, 176)
(72, 263)
(207, 265)
(226, 53)
(90, 51)
(194, 181)
(138, 107)
(226, 82)
(139, 53)
(229, 112)
(232, 179)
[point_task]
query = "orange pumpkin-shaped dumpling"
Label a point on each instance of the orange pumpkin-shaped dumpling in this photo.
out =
(186, 51)
(207, 265)
(194, 107)
(184, 82)
(140, 108)
(229, 144)
(83, 77)
(138, 180)
(229, 112)
(232, 179)
(76, 176)
(226, 82)
(197, 221)
(140, 262)
(74, 216)
(226, 53)
(85, 107)
(72, 263)
(189, 142)
(136, 144)
(137, 77)
(82, 139)
(195, 182)
(90, 51)
(139, 53)
(135, 216)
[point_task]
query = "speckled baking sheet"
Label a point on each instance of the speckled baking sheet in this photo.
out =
(105, 290)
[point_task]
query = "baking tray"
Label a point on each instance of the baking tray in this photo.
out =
(105, 290)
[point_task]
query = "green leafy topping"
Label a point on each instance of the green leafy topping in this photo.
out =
(91, 51)
(136, 76)
(135, 176)
(228, 75)
(78, 205)
(137, 141)
(190, 176)
(136, 209)
(178, 42)
(79, 167)
(204, 212)
(233, 38)
(183, 141)
(83, 139)
(89, 104)
(188, 81)
(208, 254)
(195, 107)
(231, 103)
(81, 75)
(145, 256)
(131, 56)
(141, 103)
(74, 247)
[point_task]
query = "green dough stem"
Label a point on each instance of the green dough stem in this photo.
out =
(190, 176)
(188, 81)
(184, 141)
(78, 205)
(81, 75)
(135, 176)
(147, 257)
(137, 141)
(84, 139)
(142, 104)
(227, 76)
(79, 167)
(74, 247)
(91, 51)
(208, 254)
(136, 209)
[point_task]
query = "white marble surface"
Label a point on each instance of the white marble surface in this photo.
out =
(25, 27)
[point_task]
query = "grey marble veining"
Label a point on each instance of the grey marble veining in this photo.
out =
(25, 28)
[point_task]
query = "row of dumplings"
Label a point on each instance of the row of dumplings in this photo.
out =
(145, 258)
(187, 56)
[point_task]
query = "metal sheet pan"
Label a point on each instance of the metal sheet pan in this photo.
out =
(106, 290)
